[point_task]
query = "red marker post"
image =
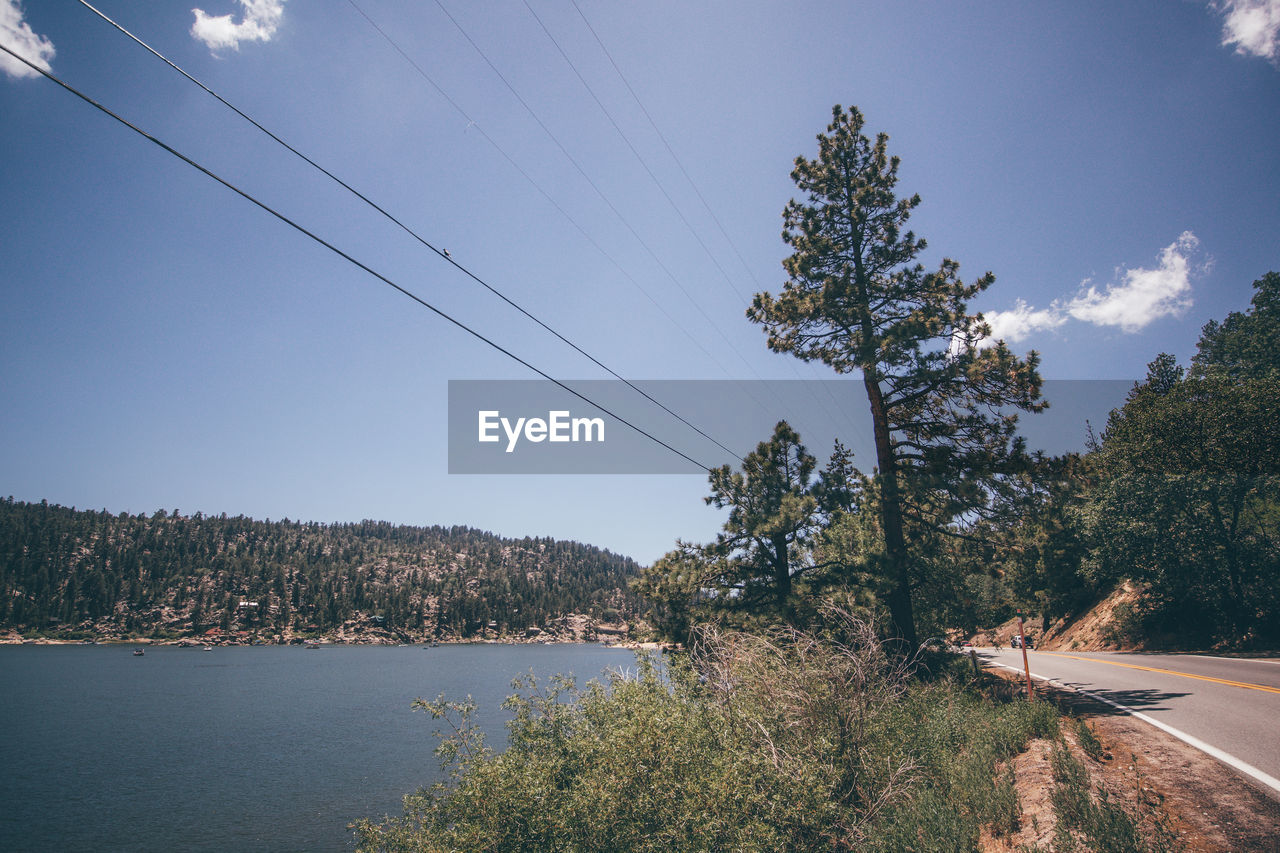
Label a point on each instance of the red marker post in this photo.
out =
(1022, 641)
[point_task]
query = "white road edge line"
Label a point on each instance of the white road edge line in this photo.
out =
(1209, 749)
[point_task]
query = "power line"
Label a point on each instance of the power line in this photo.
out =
(692, 184)
(350, 259)
(689, 178)
(639, 158)
(542, 191)
(626, 223)
(666, 143)
(440, 252)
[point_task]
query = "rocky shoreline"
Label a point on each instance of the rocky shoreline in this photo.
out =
(575, 628)
(9, 640)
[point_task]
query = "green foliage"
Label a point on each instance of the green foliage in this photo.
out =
(1087, 739)
(64, 570)
(784, 741)
(772, 513)
(1045, 566)
(673, 588)
(1188, 495)
(1245, 344)
(772, 560)
(1126, 627)
(1180, 494)
(942, 405)
(1187, 504)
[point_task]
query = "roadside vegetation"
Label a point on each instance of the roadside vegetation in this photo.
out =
(1178, 497)
(783, 740)
(785, 721)
(1091, 819)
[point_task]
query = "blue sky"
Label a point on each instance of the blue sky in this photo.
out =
(165, 344)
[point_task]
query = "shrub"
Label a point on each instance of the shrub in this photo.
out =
(783, 741)
(1087, 739)
(1126, 627)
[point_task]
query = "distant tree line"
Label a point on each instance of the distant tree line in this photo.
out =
(72, 571)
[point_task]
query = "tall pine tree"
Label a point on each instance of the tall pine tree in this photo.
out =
(940, 395)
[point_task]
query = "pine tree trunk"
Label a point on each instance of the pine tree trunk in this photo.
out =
(782, 575)
(903, 624)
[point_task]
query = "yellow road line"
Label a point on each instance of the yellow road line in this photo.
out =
(1243, 684)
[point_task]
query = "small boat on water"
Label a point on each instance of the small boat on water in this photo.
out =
(207, 649)
(137, 653)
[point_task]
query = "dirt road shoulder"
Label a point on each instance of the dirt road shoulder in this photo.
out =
(1214, 808)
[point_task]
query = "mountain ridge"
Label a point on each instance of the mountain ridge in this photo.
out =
(88, 574)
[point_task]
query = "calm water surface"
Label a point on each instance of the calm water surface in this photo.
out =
(263, 748)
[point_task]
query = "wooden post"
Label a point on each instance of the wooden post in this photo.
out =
(1022, 640)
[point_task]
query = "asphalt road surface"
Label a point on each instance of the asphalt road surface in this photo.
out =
(1229, 705)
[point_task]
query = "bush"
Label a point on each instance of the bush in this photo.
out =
(1087, 739)
(1127, 626)
(786, 741)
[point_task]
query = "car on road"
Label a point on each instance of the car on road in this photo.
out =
(1016, 642)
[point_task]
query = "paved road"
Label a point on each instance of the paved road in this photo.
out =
(1230, 704)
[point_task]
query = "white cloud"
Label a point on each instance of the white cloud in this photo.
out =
(16, 34)
(1022, 321)
(1252, 26)
(261, 19)
(1143, 295)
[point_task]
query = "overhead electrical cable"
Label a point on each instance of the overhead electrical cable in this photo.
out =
(644, 111)
(541, 190)
(349, 258)
(639, 158)
(728, 280)
(440, 252)
(692, 183)
(612, 207)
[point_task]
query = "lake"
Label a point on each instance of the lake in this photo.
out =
(264, 748)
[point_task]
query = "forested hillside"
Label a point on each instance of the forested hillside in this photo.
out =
(73, 573)
(1172, 519)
